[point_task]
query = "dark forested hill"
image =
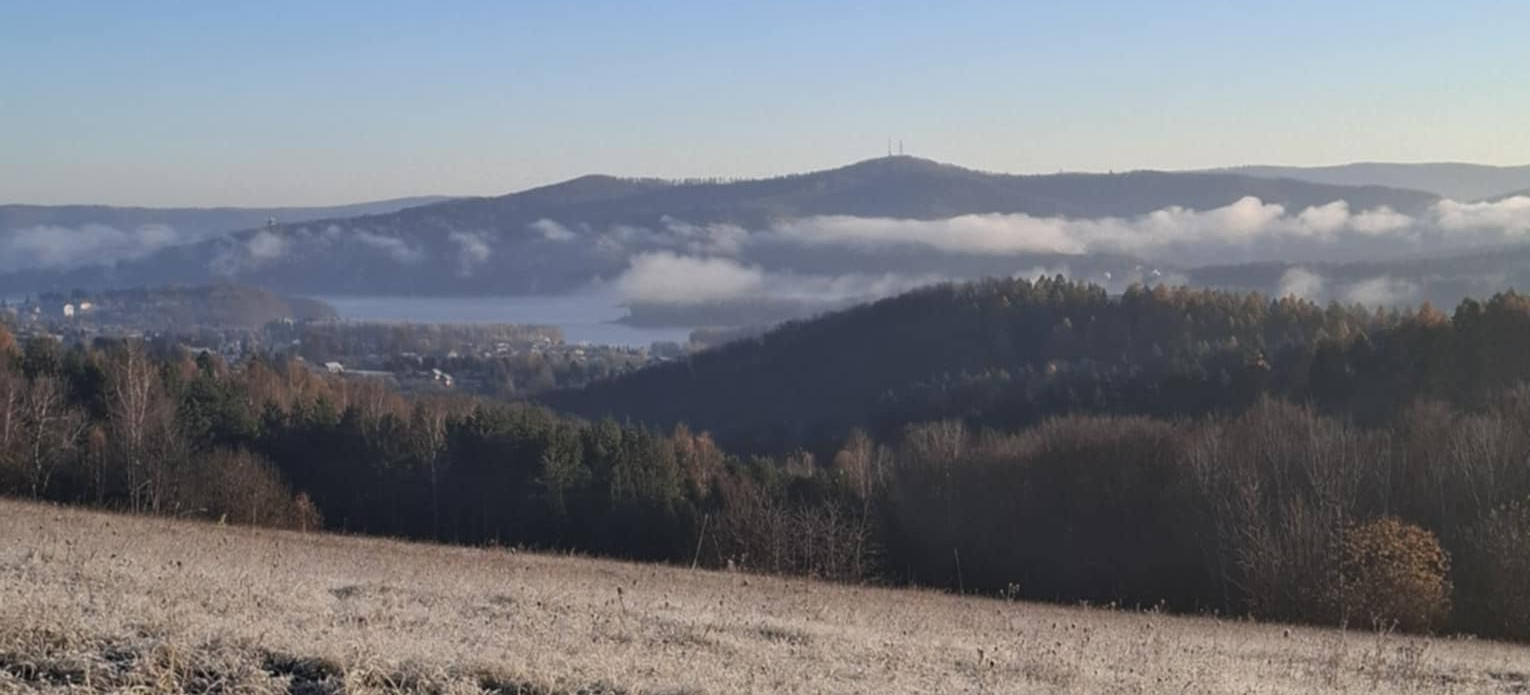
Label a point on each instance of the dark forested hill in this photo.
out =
(1007, 353)
(998, 352)
(568, 235)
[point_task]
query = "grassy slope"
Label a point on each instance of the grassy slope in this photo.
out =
(112, 602)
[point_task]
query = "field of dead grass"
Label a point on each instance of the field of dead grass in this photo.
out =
(93, 602)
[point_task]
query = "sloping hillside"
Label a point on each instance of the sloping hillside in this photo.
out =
(96, 603)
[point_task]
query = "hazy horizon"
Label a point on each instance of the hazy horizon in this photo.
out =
(766, 175)
(163, 104)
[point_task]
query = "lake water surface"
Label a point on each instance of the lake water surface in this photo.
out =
(584, 318)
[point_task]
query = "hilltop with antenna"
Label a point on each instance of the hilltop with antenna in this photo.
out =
(586, 230)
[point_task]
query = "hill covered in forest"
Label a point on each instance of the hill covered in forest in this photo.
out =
(1011, 352)
(596, 229)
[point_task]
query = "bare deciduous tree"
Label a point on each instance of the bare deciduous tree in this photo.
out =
(140, 417)
(428, 438)
(11, 388)
(52, 431)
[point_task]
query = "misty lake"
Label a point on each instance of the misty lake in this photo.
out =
(583, 318)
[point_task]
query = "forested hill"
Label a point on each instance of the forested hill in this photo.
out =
(564, 236)
(1007, 353)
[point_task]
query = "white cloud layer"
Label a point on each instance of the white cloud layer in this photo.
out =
(670, 278)
(674, 279)
(50, 246)
(1246, 230)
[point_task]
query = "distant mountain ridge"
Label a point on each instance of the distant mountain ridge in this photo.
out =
(196, 220)
(913, 188)
(61, 238)
(568, 235)
(1455, 180)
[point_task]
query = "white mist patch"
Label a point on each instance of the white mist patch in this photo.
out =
(395, 248)
(710, 239)
(665, 277)
(1510, 215)
(1300, 283)
(1382, 291)
(57, 247)
(472, 250)
(552, 231)
(1335, 217)
(266, 246)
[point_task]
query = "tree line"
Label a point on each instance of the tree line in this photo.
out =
(1316, 464)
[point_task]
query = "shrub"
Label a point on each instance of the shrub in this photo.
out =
(1393, 573)
(243, 488)
(305, 514)
(1494, 591)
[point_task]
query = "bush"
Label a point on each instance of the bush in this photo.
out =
(239, 487)
(1393, 573)
(1494, 591)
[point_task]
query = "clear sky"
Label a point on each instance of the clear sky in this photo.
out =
(207, 102)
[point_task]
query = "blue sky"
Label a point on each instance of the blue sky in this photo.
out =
(155, 102)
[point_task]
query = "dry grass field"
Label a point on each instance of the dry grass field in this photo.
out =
(94, 602)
